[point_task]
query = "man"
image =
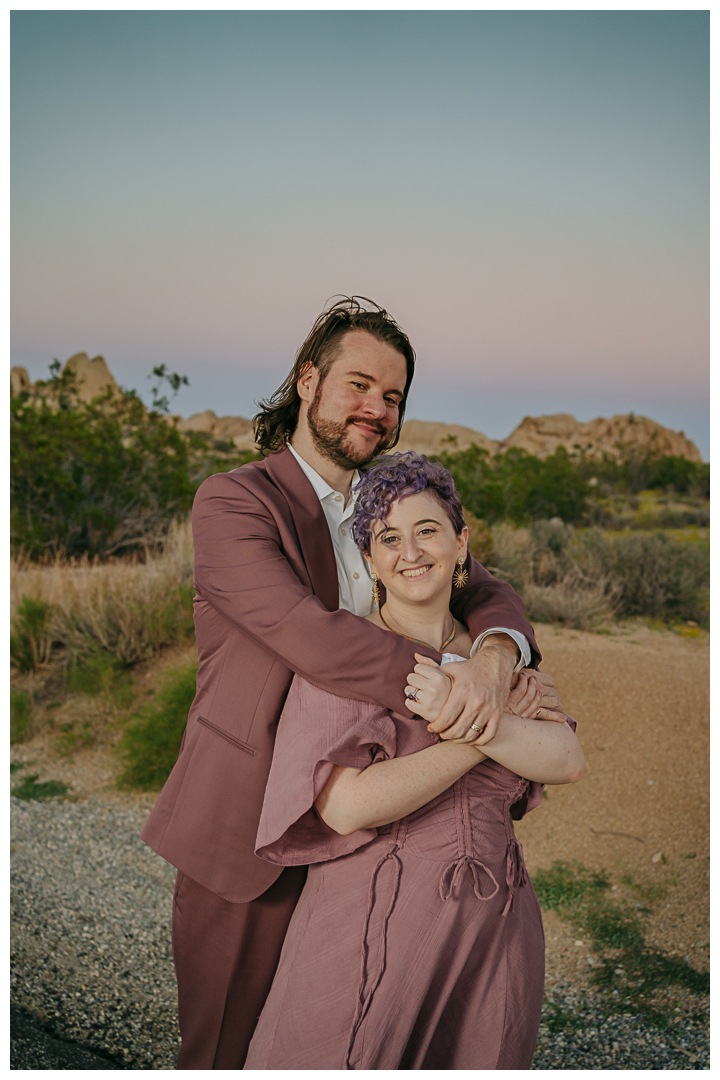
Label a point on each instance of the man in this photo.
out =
(279, 588)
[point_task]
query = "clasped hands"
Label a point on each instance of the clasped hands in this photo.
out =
(465, 700)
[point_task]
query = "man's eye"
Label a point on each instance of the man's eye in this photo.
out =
(362, 386)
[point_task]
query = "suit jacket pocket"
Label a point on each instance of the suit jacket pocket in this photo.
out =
(227, 736)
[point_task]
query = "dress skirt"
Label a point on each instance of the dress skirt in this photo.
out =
(418, 945)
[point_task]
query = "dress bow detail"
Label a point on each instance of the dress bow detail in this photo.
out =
(450, 880)
(515, 874)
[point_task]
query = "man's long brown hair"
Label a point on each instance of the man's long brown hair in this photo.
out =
(278, 415)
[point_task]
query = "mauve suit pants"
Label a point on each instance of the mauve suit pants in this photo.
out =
(225, 960)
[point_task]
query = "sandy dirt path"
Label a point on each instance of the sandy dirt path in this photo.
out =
(641, 699)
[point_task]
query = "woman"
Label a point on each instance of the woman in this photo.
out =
(417, 942)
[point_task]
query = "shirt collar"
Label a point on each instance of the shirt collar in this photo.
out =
(321, 487)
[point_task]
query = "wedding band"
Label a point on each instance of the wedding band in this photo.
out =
(476, 728)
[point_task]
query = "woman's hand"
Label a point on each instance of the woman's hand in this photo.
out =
(534, 697)
(430, 688)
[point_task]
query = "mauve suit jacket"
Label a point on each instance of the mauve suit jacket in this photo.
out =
(266, 606)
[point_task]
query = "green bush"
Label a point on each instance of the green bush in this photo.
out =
(151, 742)
(30, 637)
(92, 479)
(20, 716)
(45, 789)
(648, 471)
(518, 487)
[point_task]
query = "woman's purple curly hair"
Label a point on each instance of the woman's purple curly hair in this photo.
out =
(394, 477)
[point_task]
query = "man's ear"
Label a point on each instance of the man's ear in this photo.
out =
(308, 381)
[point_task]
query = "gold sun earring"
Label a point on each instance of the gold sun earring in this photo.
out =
(460, 576)
(375, 590)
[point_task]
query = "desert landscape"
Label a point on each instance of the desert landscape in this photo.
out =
(103, 674)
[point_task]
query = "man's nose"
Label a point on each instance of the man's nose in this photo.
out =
(375, 405)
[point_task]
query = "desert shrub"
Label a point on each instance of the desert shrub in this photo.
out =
(150, 744)
(572, 601)
(480, 543)
(20, 716)
(92, 478)
(654, 575)
(580, 578)
(31, 635)
(129, 616)
(122, 611)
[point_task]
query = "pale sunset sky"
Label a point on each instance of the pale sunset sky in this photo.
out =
(525, 191)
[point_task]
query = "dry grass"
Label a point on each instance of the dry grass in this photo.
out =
(127, 609)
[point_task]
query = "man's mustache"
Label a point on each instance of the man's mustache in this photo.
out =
(374, 424)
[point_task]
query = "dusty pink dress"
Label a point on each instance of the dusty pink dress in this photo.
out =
(417, 945)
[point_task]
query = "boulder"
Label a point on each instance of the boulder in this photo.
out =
(19, 381)
(93, 376)
(617, 437)
(433, 437)
(235, 429)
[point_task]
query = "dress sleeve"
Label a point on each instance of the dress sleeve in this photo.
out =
(317, 730)
(533, 794)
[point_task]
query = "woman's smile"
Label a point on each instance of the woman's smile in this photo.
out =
(415, 571)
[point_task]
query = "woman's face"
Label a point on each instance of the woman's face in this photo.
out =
(414, 551)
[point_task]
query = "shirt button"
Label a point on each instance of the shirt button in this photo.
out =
(342, 532)
(355, 575)
(338, 498)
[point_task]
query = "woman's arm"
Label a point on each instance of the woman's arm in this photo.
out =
(538, 750)
(388, 790)
(356, 799)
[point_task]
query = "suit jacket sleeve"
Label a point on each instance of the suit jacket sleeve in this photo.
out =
(485, 602)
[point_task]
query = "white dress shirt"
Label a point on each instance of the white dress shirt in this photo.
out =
(354, 580)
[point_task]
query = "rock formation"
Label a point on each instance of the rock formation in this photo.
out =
(19, 381)
(433, 437)
(617, 437)
(235, 429)
(93, 376)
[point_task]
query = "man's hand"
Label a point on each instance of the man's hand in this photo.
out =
(534, 697)
(480, 689)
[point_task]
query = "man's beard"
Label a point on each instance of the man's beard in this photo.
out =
(330, 437)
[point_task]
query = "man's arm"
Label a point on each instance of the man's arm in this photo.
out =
(242, 571)
(485, 603)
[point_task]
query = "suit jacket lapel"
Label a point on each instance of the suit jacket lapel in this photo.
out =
(310, 523)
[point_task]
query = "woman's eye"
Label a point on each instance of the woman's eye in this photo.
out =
(427, 532)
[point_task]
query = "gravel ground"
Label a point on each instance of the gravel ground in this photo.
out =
(92, 959)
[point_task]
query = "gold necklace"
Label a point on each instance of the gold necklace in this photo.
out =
(416, 641)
